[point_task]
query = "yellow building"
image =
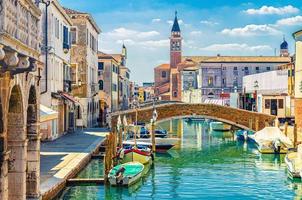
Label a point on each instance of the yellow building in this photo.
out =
(298, 80)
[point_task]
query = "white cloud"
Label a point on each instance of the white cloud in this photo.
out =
(251, 30)
(291, 21)
(149, 44)
(207, 22)
(180, 22)
(156, 20)
(196, 33)
(236, 47)
(123, 33)
(269, 10)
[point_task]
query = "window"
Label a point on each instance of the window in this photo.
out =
(267, 103)
(223, 82)
(268, 68)
(114, 87)
(257, 69)
(164, 74)
(101, 66)
(57, 28)
(101, 84)
(235, 68)
(73, 35)
(246, 70)
(65, 38)
(280, 103)
(210, 81)
(174, 94)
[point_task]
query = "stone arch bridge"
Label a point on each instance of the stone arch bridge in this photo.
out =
(237, 117)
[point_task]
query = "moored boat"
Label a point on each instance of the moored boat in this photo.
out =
(126, 174)
(293, 161)
(135, 155)
(220, 126)
(243, 135)
(271, 140)
(160, 147)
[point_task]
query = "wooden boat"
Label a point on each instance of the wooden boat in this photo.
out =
(194, 119)
(135, 155)
(160, 147)
(126, 174)
(271, 140)
(293, 161)
(243, 134)
(220, 126)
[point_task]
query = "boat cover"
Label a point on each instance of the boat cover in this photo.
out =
(131, 169)
(269, 134)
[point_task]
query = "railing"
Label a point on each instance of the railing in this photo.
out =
(20, 20)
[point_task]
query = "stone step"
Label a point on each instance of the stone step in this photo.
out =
(82, 181)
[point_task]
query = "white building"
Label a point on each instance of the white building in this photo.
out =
(56, 77)
(271, 89)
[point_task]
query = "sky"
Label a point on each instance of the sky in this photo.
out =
(209, 27)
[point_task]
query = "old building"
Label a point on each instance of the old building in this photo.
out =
(56, 75)
(298, 80)
(19, 100)
(108, 79)
(166, 75)
(84, 67)
(207, 77)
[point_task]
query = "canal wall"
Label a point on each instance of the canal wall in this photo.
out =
(54, 185)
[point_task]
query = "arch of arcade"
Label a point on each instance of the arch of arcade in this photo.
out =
(19, 136)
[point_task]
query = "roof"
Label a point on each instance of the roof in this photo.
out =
(163, 66)
(188, 64)
(102, 55)
(238, 59)
(90, 18)
(117, 57)
(175, 27)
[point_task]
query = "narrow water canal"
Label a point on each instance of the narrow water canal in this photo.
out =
(205, 165)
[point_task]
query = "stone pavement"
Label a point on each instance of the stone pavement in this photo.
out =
(64, 156)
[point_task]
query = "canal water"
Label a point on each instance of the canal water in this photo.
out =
(204, 165)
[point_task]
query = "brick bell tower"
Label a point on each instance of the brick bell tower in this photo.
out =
(175, 44)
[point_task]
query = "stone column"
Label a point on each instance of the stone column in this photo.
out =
(33, 166)
(17, 169)
(4, 175)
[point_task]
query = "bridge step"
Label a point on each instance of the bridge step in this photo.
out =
(83, 181)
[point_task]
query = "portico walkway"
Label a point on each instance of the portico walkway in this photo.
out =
(63, 158)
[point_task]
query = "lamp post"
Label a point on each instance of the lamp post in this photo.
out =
(153, 120)
(256, 86)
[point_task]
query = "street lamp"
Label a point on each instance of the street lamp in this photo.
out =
(256, 86)
(153, 120)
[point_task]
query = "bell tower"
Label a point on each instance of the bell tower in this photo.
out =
(175, 44)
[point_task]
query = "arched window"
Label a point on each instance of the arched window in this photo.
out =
(101, 84)
(163, 74)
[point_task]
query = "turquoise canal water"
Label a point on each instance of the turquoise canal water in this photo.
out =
(205, 165)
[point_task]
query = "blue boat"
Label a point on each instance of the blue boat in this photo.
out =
(243, 135)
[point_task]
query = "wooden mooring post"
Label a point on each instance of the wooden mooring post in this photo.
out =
(109, 154)
(295, 135)
(285, 128)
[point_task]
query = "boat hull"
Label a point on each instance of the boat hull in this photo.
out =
(219, 126)
(127, 180)
(137, 156)
(293, 170)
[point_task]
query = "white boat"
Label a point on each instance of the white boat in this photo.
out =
(126, 174)
(293, 161)
(271, 140)
(220, 126)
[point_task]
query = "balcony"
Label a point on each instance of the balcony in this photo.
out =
(19, 34)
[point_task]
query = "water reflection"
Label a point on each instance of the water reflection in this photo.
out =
(204, 165)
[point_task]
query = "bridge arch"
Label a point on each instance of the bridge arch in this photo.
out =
(236, 117)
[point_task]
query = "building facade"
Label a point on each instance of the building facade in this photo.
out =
(56, 75)
(84, 67)
(20, 67)
(298, 80)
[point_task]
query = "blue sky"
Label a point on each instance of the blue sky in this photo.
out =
(208, 28)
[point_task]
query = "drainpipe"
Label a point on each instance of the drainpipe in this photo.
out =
(47, 3)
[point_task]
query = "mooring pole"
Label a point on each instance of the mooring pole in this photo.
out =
(295, 135)
(285, 128)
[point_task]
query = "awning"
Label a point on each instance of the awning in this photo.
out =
(47, 114)
(68, 97)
